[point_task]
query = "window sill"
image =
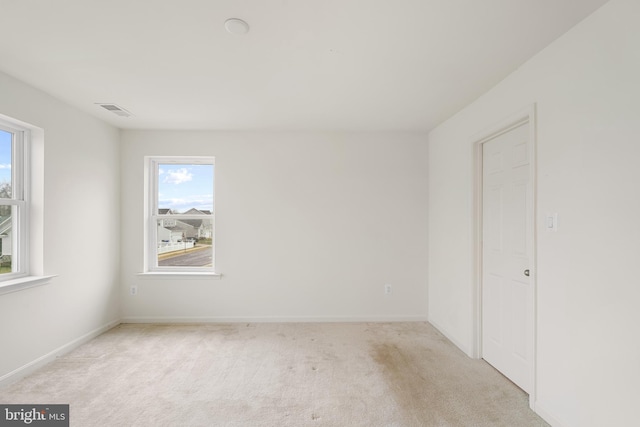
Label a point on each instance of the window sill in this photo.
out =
(23, 283)
(179, 275)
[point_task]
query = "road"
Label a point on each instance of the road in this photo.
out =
(197, 257)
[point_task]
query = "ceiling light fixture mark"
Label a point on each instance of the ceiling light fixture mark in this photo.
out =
(236, 26)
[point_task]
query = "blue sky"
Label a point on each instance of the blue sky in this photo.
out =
(5, 156)
(185, 186)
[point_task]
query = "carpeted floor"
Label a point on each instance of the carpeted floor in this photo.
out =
(268, 374)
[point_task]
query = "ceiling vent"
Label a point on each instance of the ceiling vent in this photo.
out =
(115, 109)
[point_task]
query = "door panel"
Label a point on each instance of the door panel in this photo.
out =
(493, 230)
(518, 300)
(492, 319)
(519, 243)
(507, 296)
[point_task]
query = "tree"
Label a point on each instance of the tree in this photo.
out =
(5, 190)
(5, 193)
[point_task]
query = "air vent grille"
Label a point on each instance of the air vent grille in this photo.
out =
(115, 109)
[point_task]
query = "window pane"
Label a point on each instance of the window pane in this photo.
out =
(7, 220)
(5, 164)
(185, 242)
(185, 188)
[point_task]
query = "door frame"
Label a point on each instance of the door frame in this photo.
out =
(524, 116)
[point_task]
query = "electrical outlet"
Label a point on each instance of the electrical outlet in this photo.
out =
(133, 290)
(551, 222)
(387, 289)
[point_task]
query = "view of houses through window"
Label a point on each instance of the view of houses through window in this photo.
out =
(183, 218)
(7, 209)
(13, 206)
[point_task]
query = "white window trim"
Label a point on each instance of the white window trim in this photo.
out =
(181, 275)
(21, 183)
(151, 269)
(22, 283)
(20, 199)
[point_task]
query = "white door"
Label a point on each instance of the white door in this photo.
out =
(507, 294)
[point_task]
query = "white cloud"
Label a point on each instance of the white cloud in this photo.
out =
(160, 171)
(5, 166)
(178, 176)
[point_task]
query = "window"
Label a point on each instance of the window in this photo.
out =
(180, 215)
(14, 202)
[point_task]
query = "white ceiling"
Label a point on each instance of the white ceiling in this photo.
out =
(304, 65)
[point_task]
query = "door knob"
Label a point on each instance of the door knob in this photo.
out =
(526, 272)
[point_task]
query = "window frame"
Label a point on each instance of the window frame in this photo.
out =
(153, 216)
(20, 186)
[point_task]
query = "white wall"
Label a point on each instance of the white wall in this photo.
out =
(309, 226)
(80, 226)
(586, 86)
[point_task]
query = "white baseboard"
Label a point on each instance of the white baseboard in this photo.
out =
(535, 406)
(547, 416)
(274, 319)
(32, 366)
(455, 342)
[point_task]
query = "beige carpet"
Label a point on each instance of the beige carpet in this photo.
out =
(287, 374)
